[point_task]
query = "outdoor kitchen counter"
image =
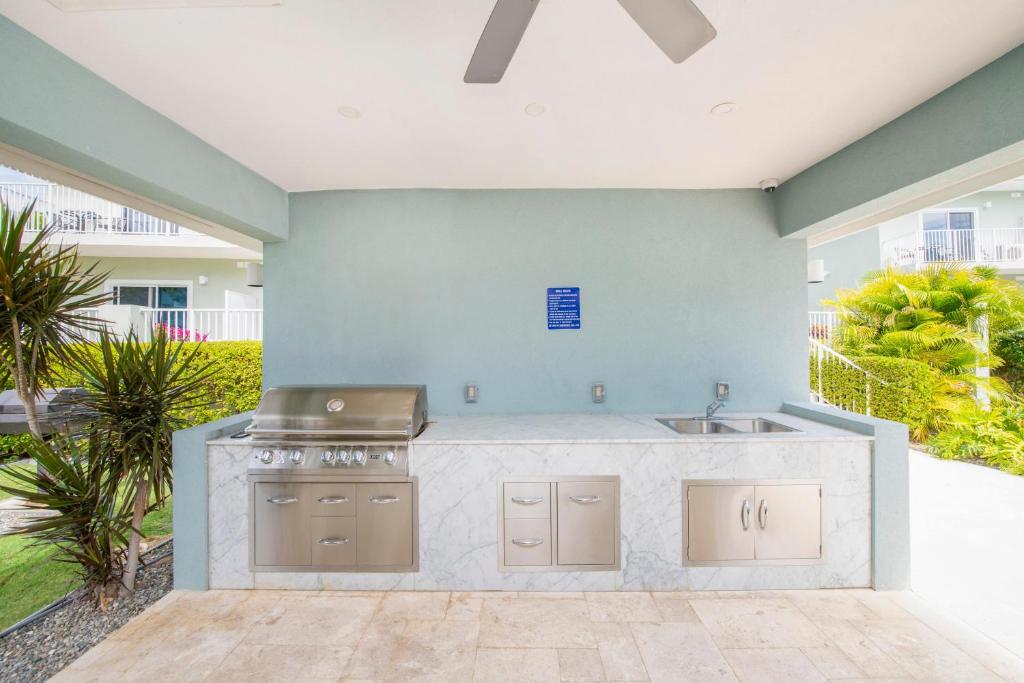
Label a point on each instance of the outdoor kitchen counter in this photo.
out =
(459, 462)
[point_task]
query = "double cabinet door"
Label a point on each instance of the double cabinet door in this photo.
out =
(736, 522)
(333, 525)
(560, 524)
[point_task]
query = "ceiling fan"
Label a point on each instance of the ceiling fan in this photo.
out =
(678, 27)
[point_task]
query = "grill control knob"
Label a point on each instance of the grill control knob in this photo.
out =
(267, 457)
(342, 457)
(297, 457)
(358, 457)
(327, 457)
(390, 457)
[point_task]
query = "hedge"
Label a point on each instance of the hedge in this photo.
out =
(235, 388)
(905, 396)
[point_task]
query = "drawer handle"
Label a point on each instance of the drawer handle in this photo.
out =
(384, 500)
(527, 542)
(332, 500)
(282, 500)
(585, 500)
(526, 500)
(333, 541)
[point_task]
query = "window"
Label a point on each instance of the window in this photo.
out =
(948, 235)
(151, 295)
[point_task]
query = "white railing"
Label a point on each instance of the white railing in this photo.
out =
(821, 325)
(91, 314)
(72, 211)
(822, 355)
(995, 246)
(204, 324)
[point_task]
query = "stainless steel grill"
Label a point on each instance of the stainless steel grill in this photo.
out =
(328, 430)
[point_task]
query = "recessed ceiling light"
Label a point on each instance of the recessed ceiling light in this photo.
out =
(535, 109)
(350, 112)
(723, 108)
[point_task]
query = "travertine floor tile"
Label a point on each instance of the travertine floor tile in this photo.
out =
(516, 665)
(679, 653)
(435, 651)
(757, 623)
(375, 649)
(464, 607)
(283, 662)
(619, 654)
(622, 607)
(529, 622)
(675, 609)
(773, 665)
(309, 621)
(411, 605)
(859, 649)
(580, 665)
(832, 662)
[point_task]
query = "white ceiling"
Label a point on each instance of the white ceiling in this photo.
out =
(264, 85)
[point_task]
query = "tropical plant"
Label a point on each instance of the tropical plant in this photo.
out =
(89, 522)
(43, 291)
(993, 434)
(137, 395)
(937, 316)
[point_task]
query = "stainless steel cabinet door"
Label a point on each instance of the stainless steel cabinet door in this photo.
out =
(788, 522)
(384, 525)
(334, 541)
(586, 522)
(281, 524)
(719, 525)
(528, 542)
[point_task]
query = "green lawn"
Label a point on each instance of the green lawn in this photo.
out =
(7, 480)
(31, 578)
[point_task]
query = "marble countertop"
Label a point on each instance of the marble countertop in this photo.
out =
(586, 428)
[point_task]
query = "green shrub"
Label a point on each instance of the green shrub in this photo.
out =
(236, 387)
(993, 436)
(1009, 346)
(906, 395)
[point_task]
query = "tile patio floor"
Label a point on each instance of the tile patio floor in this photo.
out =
(749, 636)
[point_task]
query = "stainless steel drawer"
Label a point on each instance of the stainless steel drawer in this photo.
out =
(586, 522)
(282, 524)
(333, 500)
(527, 500)
(384, 515)
(333, 541)
(527, 542)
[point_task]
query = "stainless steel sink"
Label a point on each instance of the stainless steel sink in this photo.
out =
(689, 425)
(725, 425)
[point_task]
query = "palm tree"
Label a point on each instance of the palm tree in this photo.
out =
(137, 395)
(43, 291)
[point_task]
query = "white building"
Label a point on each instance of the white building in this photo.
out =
(161, 273)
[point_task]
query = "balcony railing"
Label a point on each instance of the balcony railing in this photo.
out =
(72, 211)
(992, 246)
(204, 324)
(821, 325)
(182, 324)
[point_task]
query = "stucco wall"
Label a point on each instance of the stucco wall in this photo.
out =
(444, 287)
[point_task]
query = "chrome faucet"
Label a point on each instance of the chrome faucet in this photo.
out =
(713, 408)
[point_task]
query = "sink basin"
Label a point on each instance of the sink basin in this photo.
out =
(688, 425)
(725, 425)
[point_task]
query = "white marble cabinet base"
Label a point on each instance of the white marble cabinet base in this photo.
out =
(459, 528)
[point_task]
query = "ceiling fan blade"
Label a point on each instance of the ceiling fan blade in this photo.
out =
(675, 26)
(499, 40)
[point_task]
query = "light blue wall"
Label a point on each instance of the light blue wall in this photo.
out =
(55, 108)
(979, 115)
(441, 287)
(847, 261)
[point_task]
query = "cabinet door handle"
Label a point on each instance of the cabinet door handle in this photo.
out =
(762, 513)
(282, 500)
(745, 514)
(333, 541)
(526, 500)
(384, 500)
(585, 500)
(527, 542)
(332, 500)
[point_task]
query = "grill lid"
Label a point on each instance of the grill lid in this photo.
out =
(358, 412)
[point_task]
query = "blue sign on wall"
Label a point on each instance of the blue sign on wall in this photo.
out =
(563, 308)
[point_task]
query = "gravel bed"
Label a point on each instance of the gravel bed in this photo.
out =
(38, 651)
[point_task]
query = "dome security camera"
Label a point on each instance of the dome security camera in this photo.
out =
(769, 184)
